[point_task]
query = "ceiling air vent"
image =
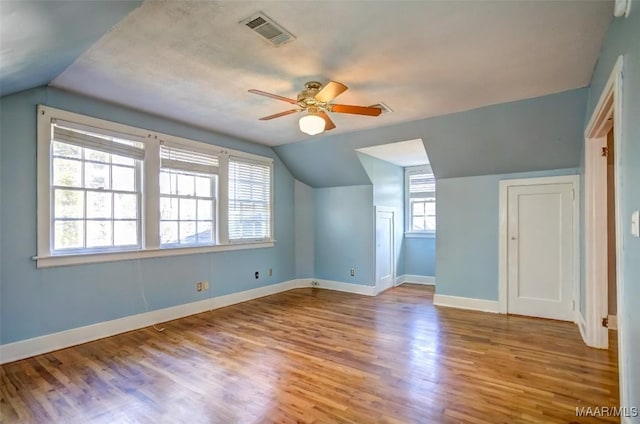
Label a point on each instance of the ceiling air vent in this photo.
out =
(267, 29)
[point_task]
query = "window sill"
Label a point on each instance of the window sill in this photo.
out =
(91, 258)
(420, 235)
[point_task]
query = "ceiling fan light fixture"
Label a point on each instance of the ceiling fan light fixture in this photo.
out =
(311, 124)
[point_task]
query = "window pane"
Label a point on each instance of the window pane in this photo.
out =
(125, 206)
(95, 155)
(203, 187)
(430, 208)
(186, 185)
(98, 205)
(67, 150)
(67, 172)
(125, 233)
(168, 183)
(168, 208)
(418, 208)
(205, 235)
(204, 209)
(187, 209)
(430, 223)
(168, 232)
(98, 233)
(68, 235)
(96, 175)
(188, 232)
(123, 178)
(69, 204)
(417, 224)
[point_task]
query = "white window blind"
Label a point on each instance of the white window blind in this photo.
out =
(178, 158)
(95, 141)
(249, 200)
(421, 184)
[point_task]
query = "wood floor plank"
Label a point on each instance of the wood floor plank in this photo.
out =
(318, 356)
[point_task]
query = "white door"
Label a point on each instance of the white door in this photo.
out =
(385, 263)
(540, 261)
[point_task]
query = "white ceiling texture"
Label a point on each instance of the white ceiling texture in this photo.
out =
(192, 61)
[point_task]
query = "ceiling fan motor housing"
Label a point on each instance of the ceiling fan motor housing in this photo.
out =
(307, 97)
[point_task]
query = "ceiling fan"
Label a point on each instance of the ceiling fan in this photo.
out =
(315, 100)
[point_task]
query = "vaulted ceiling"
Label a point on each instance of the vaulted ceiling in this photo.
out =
(192, 61)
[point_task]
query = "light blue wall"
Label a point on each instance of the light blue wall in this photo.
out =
(467, 238)
(344, 234)
(419, 256)
(37, 302)
(527, 135)
(388, 191)
(623, 38)
(304, 230)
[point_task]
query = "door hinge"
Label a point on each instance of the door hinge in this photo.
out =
(605, 322)
(573, 305)
(604, 152)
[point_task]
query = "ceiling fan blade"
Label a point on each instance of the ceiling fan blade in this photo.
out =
(329, 125)
(356, 110)
(277, 115)
(273, 96)
(331, 91)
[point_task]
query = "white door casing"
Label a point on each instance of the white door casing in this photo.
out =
(607, 113)
(538, 247)
(385, 249)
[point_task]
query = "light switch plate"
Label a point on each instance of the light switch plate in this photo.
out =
(635, 223)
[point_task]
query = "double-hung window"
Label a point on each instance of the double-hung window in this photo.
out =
(95, 190)
(420, 201)
(109, 191)
(188, 184)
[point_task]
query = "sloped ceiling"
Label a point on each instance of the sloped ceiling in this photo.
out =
(192, 60)
(527, 135)
(40, 39)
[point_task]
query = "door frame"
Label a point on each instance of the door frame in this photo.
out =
(503, 243)
(375, 244)
(608, 111)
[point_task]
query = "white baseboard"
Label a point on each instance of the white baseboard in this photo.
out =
(582, 324)
(613, 322)
(26, 348)
(38, 345)
(416, 279)
(466, 303)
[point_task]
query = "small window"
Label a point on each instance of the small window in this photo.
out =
(95, 191)
(188, 182)
(249, 200)
(420, 193)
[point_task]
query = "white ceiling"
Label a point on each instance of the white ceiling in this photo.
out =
(191, 60)
(402, 153)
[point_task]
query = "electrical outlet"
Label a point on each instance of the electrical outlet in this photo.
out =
(206, 285)
(353, 272)
(257, 275)
(199, 286)
(314, 283)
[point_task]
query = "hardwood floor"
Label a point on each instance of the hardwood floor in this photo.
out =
(319, 356)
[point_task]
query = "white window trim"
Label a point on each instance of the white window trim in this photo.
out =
(407, 204)
(150, 240)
